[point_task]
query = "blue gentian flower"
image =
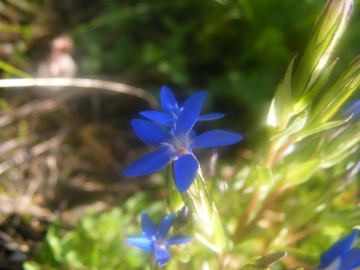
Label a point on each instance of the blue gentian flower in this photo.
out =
(341, 256)
(172, 110)
(176, 146)
(154, 238)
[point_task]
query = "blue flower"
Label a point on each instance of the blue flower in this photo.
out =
(154, 238)
(176, 146)
(172, 110)
(341, 256)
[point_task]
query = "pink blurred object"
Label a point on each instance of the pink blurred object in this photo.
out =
(59, 63)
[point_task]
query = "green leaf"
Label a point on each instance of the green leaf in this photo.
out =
(300, 173)
(342, 148)
(213, 238)
(198, 200)
(305, 101)
(281, 108)
(318, 128)
(219, 236)
(336, 157)
(326, 33)
(293, 127)
(13, 71)
(264, 262)
(337, 95)
(208, 227)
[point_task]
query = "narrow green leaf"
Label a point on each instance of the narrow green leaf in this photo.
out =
(307, 98)
(293, 127)
(268, 260)
(300, 173)
(271, 118)
(207, 224)
(14, 71)
(219, 236)
(342, 148)
(198, 200)
(337, 95)
(318, 128)
(215, 238)
(281, 108)
(264, 262)
(336, 157)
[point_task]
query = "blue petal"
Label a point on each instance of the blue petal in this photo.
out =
(148, 226)
(141, 242)
(162, 255)
(178, 240)
(201, 94)
(158, 117)
(190, 112)
(168, 101)
(185, 170)
(149, 163)
(352, 260)
(212, 116)
(340, 249)
(165, 225)
(216, 138)
(149, 132)
(191, 135)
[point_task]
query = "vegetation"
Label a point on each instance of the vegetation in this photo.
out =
(280, 198)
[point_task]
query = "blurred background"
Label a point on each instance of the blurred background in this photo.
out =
(63, 149)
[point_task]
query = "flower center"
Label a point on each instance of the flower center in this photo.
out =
(181, 151)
